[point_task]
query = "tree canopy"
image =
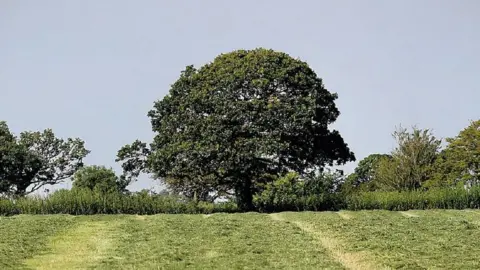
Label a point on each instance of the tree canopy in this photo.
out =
(35, 159)
(99, 178)
(363, 176)
(238, 120)
(411, 162)
(459, 162)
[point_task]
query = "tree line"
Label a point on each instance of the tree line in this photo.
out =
(252, 126)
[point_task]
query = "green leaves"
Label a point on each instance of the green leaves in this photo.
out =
(134, 158)
(363, 178)
(99, 178)
(418, 163)
(244, 115)
(411, 162)
(60, 158)
(291, 192)
(460, 161)
(36, 159)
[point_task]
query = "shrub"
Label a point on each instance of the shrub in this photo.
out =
(99, 178)
(290, 193)
(282, 194)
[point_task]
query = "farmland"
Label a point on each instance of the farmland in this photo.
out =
(308, 240)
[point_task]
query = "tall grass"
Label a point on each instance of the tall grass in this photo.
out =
(86, 202)
(447, 198)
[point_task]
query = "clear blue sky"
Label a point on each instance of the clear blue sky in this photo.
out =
(92, 69)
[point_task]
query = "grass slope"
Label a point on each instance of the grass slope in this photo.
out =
(84, 246)
(219, 241)
(22, 237)
(445, 239)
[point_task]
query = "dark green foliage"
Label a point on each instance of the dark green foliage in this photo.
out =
(459, 162)
(317, 192)
(87, 202)
(362, 179)
(99, 178)
(134, 160)
(283, 193)
(234, 122)
(36, 159)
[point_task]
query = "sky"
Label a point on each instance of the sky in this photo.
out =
(92, 69)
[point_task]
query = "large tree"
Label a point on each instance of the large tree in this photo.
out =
(238, 120)
(35, 159)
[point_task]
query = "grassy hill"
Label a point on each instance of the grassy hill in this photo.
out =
(446, 239)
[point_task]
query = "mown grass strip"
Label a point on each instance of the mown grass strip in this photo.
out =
(436, 239)
(22, 237)
(81, 247)
(345, 215)
(350, 260)
(408, 214)
(221, 241)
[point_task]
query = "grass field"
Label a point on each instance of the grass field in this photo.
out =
(439, 239)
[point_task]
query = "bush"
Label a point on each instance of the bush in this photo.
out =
(282, 194)
(289, 193)
(99, 178)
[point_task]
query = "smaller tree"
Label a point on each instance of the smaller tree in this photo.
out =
(362, 179)
(411, 162)
(459, 163)
(36, 159)
(325, 181)
(99, 178)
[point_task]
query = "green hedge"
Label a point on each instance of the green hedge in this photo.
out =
(321, 202)
(86, 202)
(448, 198)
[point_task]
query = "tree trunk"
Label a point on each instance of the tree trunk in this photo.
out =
(244, 195)
(21, 190)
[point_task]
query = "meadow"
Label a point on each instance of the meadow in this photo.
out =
(373, 239)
